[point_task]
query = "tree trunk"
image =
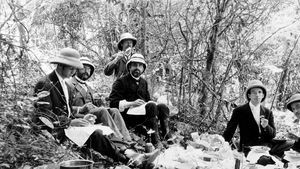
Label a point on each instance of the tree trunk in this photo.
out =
(207, 75)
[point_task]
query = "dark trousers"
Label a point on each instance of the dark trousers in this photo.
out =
(296, 146)
(278, 147)
(103, 145)
(154, 114)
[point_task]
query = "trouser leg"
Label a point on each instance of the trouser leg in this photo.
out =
(105, 118)
(119, 121)
(151, 121)
(279, 147)
(103, 145)
(163, 117)
(296, 146)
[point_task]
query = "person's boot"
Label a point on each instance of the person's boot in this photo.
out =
(153, 124)
(165, 130)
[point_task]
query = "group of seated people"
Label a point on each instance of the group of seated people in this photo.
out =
(71, 97)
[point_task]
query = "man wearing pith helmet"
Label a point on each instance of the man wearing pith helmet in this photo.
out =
(293, 104)
(67, 62)
(256, 122)
(130, 91)
(59, 103)
(117, 66)
(84, 102)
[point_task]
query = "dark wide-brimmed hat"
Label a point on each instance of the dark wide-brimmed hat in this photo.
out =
(139, 58)
(126, 36)
(68, 56)
(255, 84)
(87, 61)
(294, 98)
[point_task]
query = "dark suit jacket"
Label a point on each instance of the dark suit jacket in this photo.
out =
(119, 69)
(79, 95)
(249, 131)
(57, 100)
(126, 88)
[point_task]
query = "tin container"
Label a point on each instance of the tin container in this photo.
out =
(76, 164)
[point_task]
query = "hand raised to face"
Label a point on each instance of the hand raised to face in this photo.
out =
(264, 122)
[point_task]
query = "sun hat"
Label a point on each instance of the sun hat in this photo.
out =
(68, 56)
(255, 84)
(137, 58)
(294, 98)
(126, 36)
(87, 61)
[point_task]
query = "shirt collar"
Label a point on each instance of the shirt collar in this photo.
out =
(59, 76)
(254, 107)
(137, 79)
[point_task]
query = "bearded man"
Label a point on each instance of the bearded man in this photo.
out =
(131, 91)
(84, 103)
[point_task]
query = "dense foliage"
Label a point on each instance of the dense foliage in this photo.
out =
(200, 54)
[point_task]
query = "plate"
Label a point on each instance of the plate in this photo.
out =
(260, 149)
(293, 154)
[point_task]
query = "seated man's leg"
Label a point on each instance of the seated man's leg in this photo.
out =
(103, 145)
(163, 117)
(296, 146)
(104, 117)
(280, 146)
(151, 121)
(119, 121)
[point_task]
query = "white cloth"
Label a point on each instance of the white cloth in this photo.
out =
(123, 104)
(79, 135)
(65, 90)
(256, 113)
(139, 110)
(253, 156)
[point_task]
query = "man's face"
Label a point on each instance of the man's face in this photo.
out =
(136, 69)
(296, 109)
(256, 95)
(67, 71)
(84, 73)
(126, 44)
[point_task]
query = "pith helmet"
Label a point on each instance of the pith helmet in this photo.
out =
(87, 61)
(126, 36)
(294, 98)
(136, 58)
(68, 56)
(255, 84)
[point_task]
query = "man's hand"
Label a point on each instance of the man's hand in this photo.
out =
(86, 108)
(90, 118)
(118, 56)
(79, 122)
(264, 122)
(137, 102)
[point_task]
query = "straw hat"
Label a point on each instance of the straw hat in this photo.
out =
(294, 98)
(68, 56)
(126, 36)
(87, 61)
(139, 58)
(255, 84)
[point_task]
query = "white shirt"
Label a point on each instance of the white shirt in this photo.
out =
(256, 113)
(65, 90)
